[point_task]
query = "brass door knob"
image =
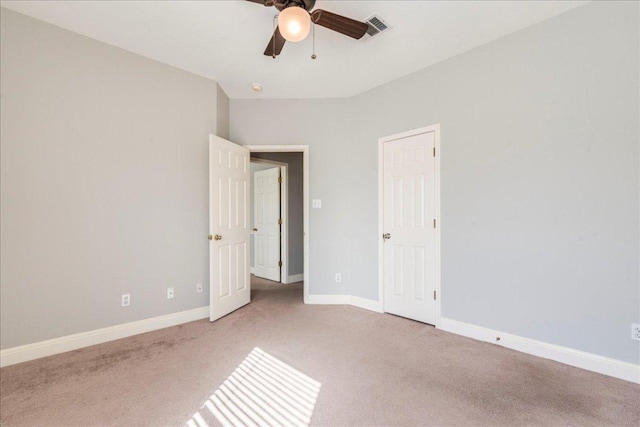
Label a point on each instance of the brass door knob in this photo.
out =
(386, 236)
(210, 237)
(217, 237)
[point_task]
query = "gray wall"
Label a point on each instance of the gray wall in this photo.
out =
(104, 183)
(323, 124)
(295, 205)
(540, 178)
(222, 114)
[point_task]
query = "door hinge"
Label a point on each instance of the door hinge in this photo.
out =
(434, 223)
(279, 180)
(279, 263)
(280, 221)
(434, 294)
(434, 151)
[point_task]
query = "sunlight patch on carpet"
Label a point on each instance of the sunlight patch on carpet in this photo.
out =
(262, 391)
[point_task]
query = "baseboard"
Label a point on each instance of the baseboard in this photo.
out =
(364, 303)
(329, 299)
(27, 352)
(252, 270)
(580, 359)
(294, 278)
(367, 304)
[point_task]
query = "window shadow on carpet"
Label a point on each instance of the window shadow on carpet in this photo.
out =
(261, 391)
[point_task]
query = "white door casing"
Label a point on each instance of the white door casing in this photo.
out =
(410, 272)
(266, 206)
(229, 176)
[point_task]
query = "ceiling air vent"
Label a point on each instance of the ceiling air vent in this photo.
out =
(376, 26)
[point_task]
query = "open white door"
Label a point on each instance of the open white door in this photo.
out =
(409, 211)
(229, 176)
(266, 193)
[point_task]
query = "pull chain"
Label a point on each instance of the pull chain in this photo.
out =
(273, 40)
(313, 36)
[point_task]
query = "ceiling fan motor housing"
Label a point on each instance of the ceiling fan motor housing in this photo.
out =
(305, 4)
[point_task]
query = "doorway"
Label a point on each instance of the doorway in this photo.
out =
(269, 254)
(293, 162)
(409, 224)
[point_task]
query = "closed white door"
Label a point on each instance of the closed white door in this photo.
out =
(266, 204)
(229, 176)
(409, 227)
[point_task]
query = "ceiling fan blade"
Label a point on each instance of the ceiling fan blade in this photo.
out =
(275, 45)
(347, 26)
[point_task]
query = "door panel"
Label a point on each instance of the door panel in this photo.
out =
(409, 211)
(228, 219)
(267, 215)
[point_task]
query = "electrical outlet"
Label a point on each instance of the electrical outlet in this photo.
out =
(170, 293)
(126, 300)
(635, 331)
(199, 288)
(316, 203)
(338, 278)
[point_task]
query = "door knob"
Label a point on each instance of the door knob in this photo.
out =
(210, 237)
(255, 229)
(386, 236)
(217, 237)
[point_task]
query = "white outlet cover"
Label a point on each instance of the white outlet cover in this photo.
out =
(170, 293)
(125, 300)
(316, 203)
(338, 278)
(199, 288)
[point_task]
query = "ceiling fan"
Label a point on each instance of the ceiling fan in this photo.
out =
(294, 22)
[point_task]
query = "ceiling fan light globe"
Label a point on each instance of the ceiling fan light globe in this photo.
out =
(294, 23)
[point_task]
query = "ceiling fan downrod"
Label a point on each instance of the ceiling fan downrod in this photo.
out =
(305, 4)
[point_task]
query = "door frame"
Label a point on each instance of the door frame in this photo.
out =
(381, 141)
(284, 213)
(304, 149)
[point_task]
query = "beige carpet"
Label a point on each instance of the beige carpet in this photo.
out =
(337, 365)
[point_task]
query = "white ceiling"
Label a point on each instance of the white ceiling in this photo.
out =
(224, 40)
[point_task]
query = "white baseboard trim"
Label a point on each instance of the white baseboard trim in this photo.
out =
(329, 299)
(367, 304)
(27, 352)
(294, 278)
(364, 303)
(252, 270)
(580, 359)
